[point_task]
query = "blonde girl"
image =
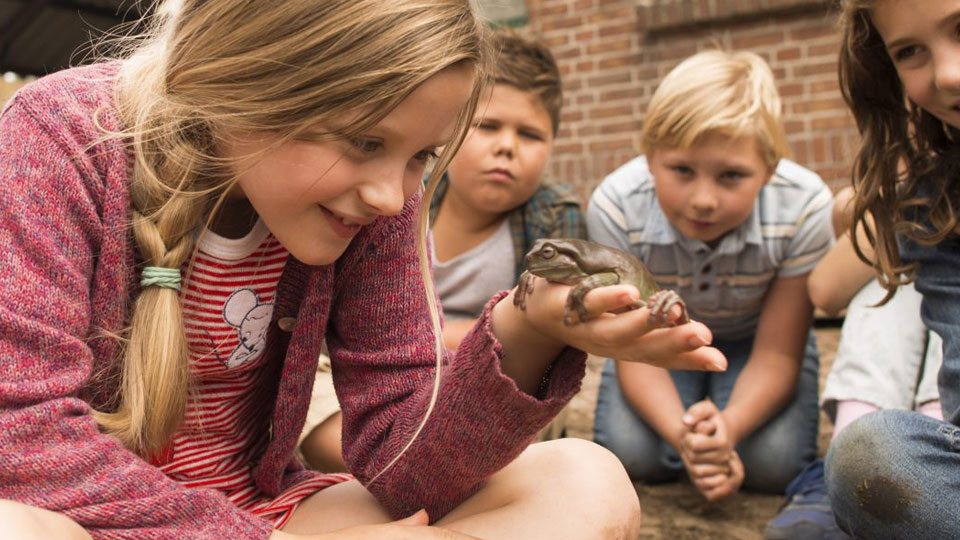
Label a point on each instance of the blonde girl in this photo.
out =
(891, 474)
(183, 230)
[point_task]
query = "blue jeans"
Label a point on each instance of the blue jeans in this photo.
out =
(896, 474)
(772, 455)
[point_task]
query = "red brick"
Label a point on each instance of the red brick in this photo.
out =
(812, 32)
(586, 66)
(562, 23)
(614, 15)
(839, 122)
(619, 62)
(792, 89)
(789, 54)
(793, 126)
(631, 93)
(629, 126)
(568, 148)
(610, 45)
(819, 68)
(610, 111)
(827, 49)
(608, 79)
(571, 116)
(585, 35)
(759, 40)
(548, 11)
(628, 28)
(612, 144)
(831, 86)
(815, 105)
(555, 40)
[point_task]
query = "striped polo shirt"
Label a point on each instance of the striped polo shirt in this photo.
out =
(785, 236)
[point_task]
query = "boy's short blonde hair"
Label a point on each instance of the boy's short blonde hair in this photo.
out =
(529, 66)
(714, 91)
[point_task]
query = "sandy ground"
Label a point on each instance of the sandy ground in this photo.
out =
(676, 511)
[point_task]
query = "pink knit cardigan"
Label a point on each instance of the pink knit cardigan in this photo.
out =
(68, 272)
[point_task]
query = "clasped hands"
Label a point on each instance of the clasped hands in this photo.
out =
(707, 452)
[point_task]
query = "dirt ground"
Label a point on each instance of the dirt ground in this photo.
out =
(676, 511)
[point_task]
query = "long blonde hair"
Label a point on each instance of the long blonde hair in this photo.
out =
(903, 148)
(208, 68)
(715, 91)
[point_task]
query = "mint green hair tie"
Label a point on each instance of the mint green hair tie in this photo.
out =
(156, 276)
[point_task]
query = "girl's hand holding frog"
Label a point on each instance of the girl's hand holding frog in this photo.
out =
(612, 329)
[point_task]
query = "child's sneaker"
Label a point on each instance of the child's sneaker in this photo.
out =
(806, 515)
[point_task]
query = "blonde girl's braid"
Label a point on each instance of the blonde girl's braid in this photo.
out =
(170, 197)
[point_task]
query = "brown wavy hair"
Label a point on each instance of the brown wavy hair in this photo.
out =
(907, 157)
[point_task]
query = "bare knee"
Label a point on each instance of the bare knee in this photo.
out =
(31, 523)
(321, 448)
(595, 479)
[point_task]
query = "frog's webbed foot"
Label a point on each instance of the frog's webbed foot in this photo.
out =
(575, 303)
(524, 289)
(576, 294)
(660, 304)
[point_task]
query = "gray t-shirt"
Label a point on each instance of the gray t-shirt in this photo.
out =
(468, 281)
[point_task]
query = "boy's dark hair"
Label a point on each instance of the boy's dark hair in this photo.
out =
(529, 66)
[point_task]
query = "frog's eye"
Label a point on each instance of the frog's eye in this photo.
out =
(548, 252)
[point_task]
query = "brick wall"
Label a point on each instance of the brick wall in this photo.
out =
(613, 53)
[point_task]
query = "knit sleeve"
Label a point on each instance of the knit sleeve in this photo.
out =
(53, 455)
(382, 349)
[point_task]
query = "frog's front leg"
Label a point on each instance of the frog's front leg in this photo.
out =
(660, 303)
(524, 289)
(575, 297)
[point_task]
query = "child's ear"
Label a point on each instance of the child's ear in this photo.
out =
(770, 170)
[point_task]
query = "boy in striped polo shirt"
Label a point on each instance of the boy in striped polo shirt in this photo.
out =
(717, 214)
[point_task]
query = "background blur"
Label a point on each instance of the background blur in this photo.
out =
(612, 54)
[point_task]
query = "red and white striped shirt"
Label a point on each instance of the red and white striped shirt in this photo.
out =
(227, 300)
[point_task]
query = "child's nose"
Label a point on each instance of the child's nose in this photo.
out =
(947, 73)
(385, 194)
(506, 143)
(703, 199)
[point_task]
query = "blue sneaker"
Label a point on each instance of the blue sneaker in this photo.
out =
(806, 515)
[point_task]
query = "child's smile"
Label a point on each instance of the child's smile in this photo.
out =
(923, 40)
(316, 196)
